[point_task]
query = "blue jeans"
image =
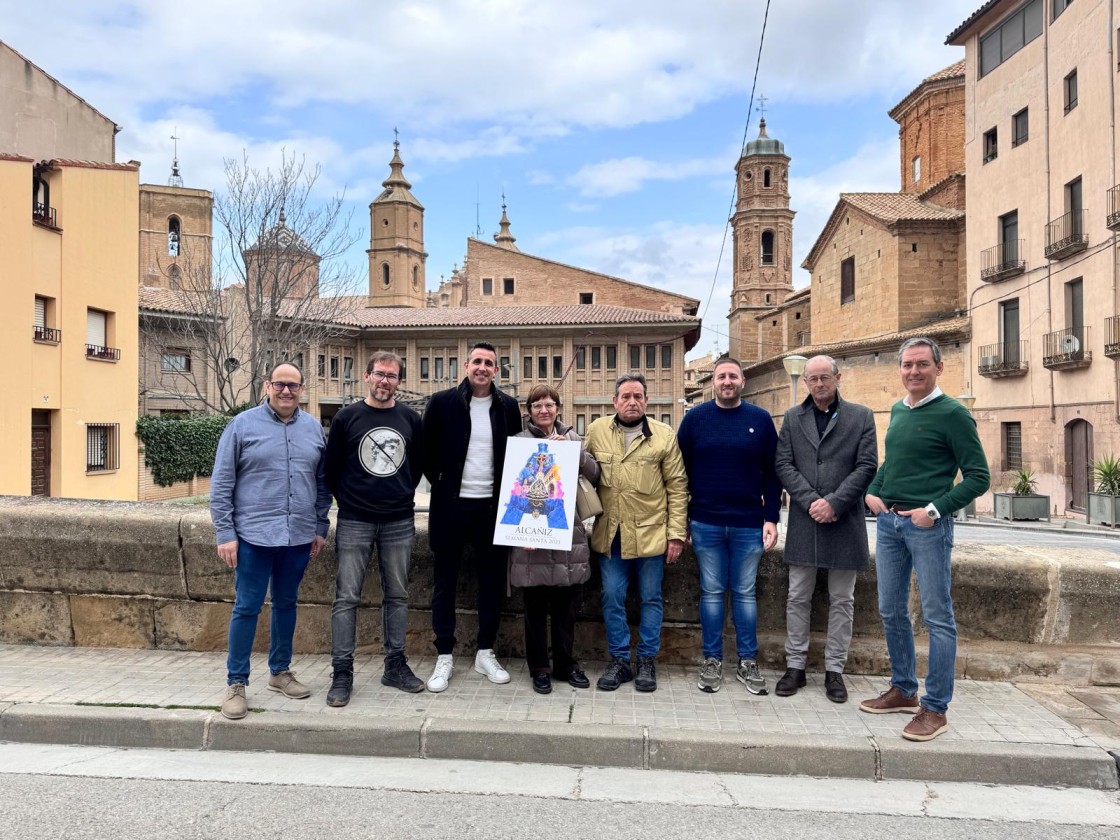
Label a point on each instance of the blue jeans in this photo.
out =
(901, 546)
(257, 565)
(616, 579)
(354, 543)
(727, 557)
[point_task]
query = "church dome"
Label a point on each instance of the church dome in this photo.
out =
(764, 144)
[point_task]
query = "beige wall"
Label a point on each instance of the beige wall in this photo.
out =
(86, 262)
(1031, 179)
(43, 119)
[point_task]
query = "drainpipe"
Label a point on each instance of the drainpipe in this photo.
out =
(1046, 149)
(1112, 180)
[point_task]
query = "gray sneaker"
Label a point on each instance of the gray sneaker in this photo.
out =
(286, 683)
(748, 674)
(711, 675)
(235, 706)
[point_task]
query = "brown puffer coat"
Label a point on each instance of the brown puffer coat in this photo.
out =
(542, 567)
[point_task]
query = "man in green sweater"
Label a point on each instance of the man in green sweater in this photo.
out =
(930, 438)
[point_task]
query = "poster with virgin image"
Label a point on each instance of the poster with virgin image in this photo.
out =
(537, 498)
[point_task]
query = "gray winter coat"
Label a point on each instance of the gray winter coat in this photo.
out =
(542, 567)
(837, 466)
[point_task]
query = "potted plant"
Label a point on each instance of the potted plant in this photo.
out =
(1022, 502)
(1104, 504)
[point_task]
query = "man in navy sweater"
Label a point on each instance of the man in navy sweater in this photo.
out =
(728, 447)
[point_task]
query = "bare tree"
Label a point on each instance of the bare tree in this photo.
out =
(276, 285)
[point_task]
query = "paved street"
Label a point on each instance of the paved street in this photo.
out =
(92, 792)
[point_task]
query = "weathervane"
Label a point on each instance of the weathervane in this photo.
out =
(762, 106)
(176, 180)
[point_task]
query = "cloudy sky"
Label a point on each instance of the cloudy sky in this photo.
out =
(612, 127)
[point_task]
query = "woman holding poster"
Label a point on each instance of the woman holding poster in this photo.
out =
(551, 579)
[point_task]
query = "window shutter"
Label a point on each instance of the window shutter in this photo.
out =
(40, 312)
(95, 327)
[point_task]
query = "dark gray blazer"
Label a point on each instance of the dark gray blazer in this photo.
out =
(838, 467)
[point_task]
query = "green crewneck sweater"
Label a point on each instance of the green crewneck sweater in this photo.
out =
(925, 448)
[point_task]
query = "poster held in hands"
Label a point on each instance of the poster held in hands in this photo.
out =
(537, 498)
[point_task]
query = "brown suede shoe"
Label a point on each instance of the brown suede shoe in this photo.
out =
(891, 700)
(925, 726)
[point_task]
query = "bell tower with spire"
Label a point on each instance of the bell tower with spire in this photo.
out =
(504, 238)
(763, 241)
(396, 242)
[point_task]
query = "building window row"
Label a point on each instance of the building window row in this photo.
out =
(175, 360)
(645, 356)
(1015, 32)
(508, 286)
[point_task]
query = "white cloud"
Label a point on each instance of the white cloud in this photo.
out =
(627, 175)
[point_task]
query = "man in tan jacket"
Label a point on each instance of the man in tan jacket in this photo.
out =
(644, 493)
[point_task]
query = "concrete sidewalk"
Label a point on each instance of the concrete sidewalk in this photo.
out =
(1000, 732)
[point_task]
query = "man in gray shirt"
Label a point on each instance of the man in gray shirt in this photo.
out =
(269, 502)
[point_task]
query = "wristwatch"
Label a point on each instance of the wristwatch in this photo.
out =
(932, 513)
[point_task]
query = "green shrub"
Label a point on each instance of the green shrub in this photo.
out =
(179, 448)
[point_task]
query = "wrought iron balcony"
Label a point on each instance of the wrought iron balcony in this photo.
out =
(1112, 337)
(47, 335)
(1114, 208)
(43, 214)
(1008, 358)
(1002, 261)
(105, 354)
(1066, 235)
(1066, 349)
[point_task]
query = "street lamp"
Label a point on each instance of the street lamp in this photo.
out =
(795, 367)
(967, 400)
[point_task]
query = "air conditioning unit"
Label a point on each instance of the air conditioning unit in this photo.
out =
(989, 361)
(1070, 345)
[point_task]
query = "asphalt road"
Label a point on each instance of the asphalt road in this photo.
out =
(92, 792)
(1008, 535)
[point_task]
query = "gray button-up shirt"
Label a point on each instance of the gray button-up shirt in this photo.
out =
(269, 487)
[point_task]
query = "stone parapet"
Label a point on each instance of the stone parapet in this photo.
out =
(110, 574)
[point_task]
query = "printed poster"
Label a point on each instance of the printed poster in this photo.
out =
(537, 498)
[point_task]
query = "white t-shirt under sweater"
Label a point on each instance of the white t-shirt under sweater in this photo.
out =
(478, 471)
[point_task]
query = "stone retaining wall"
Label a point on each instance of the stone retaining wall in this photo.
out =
(112, 574)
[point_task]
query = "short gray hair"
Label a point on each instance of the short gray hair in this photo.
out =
(920, 341)
(831, 361)
(632, 376)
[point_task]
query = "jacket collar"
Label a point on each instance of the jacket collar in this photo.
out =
(558, 427)
(464, 389)
(647, 432)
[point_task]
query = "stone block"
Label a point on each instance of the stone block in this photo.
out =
(108, 621)
(57, 545)
(191, 625)
(1089, 603)
(104, 726)
(35, 618)
(761, 754)
(535, 742)
(1003, 763)
(1106, 671)
(328, 734)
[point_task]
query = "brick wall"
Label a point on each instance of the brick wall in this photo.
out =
(932, 128)
(149, 491)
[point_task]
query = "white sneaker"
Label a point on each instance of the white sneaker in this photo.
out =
(487, 664)
(441, 674)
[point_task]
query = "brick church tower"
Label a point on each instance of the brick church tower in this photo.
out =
(763, 243)
(396, 242)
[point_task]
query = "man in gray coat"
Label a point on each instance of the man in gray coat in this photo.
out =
(826, 458)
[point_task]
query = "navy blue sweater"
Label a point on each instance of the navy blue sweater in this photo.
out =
(729, 456)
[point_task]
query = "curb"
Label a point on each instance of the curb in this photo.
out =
(568, 744)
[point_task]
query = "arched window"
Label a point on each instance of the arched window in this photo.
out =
(766, 177)
(767, 298)
(385, 275)
(173, 231)
(416, 277)
(767, 247)
(175, 278)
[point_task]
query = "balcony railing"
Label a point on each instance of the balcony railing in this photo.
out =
(1008, 358)
(1066, 349)
(1112, 337)
(1002, 261)
(48, 335)
(1114, 208)
(43, 214)
(1066, 235)
(105, 354)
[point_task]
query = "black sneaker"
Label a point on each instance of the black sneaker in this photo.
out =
(792, 679)
(617, 673)
(399, 675)
(646, 680)
(342, 683)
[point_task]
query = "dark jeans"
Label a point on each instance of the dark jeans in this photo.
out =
(257, 566)
(541, 603)
(471, 522)
(355, 542)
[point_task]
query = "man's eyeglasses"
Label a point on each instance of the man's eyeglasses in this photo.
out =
(543, 406)
(823, 379)
(286, 386)
(388, 377)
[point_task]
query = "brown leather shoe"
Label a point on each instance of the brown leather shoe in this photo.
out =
(925, 726)
(891, 700)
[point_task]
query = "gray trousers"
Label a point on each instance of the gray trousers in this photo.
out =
(841, 599)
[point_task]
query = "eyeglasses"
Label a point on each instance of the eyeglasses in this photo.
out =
(286, 386)
(823, 379)
(543, 406)
(388, 377)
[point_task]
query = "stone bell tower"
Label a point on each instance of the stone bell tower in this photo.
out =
(396, 242)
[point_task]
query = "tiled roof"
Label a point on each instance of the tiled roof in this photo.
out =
(972, 18)
(19, 158)
(951, 73)
(131, 166)
(496, 316)
(156, 299)
(891, 208)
